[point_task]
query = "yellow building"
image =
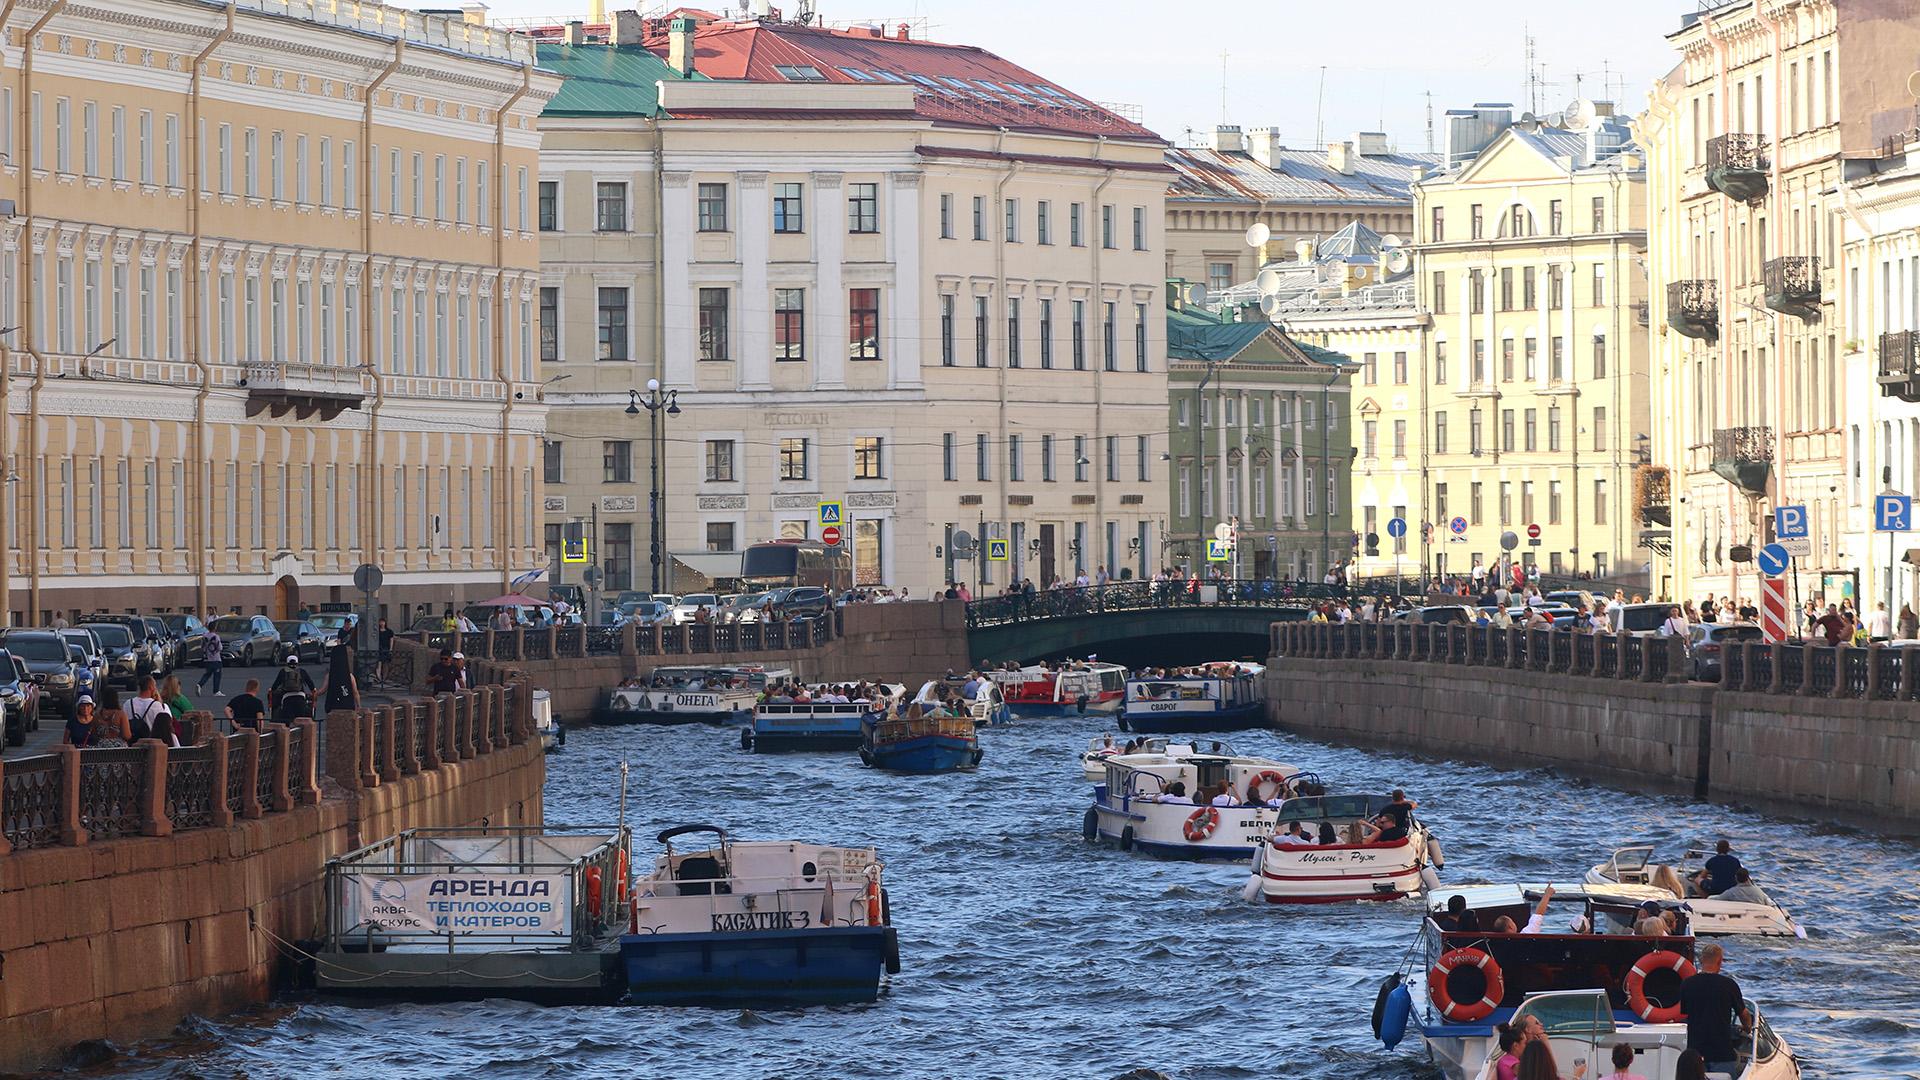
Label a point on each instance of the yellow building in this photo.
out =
(1748, 141)
(270, 277)
(1532, 390)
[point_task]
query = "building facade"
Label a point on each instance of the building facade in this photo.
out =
(1772, 106)
(1260, 441)
(271, 276)
(1532, 394)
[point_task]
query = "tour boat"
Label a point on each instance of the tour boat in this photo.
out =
(921, 743)
(814, 725)
(1589, 979)
(1093, 763)
(1295, 872)
(988, 707)
(552, 735)
(690, 695)
(1222, 699)
(1712, 916)
(1077, 689)
(1162, 802)
(751, 924)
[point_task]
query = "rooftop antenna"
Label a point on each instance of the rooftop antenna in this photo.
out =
(1429, 96)
(1320, 112)
(1223, 86)
(1533, 77)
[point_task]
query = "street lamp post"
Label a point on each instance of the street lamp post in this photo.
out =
(656, 402)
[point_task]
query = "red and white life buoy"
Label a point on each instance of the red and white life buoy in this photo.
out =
(1463, 1011)
(1266, 776)
(1636, 985)
(1200, 824)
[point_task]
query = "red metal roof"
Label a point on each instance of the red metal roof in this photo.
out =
(955, 84)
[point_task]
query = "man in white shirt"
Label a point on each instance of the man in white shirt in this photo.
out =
(1879, 622)
(1226, 798)
(1537, 922)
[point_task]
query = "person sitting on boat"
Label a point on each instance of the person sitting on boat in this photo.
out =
(1296, 834)
(1225, 796)
(1745, 891)
(1457, 912)
(1328, 837)
(1537, 922)
(1176, 792)
(1720, 873)
(1648, 921)
(1383, 829)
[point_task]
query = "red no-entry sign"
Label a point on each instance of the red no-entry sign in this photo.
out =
(830, 535)
(1533, 532)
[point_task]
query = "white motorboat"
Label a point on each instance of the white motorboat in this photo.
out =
(551, 734)
(690, 695)
(1163, 803)
(1093, 762)
(1712, 915)
(1589, 979)
(1349, 867)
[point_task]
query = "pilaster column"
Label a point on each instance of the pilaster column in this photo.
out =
(676, 243)
(752, 240)
(902, 331)
(829, 232)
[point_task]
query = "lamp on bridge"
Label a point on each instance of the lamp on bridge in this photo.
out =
(656, 403)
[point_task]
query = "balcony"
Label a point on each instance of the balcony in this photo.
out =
(1737, 166)
(1653, 494)
(1793, 286)
(1693, 308)
(1643, 312)
(1900, 365)
(305, 390)
(1743, 457)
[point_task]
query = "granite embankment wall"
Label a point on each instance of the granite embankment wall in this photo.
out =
(122, 938)
(1462, 694)
(903, 643)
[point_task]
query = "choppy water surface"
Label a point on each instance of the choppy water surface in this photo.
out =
(1029, 954)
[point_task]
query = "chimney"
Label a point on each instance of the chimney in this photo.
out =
(475, 13)
(1263, 144)
(680, 45)
(628, 28)
(1370, 143)
(1226, 139)
(1340, 158)
(576, 33)
(904, 33)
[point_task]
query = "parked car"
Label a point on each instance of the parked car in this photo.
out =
(48, 663)
(88, 643)
(1438, 613)
(1707, 642)
(19, 699)
(331, 625)
(192, 634)
(805, 602)
(146, 646)
(123, 656)
(628, 596)
(743, 608)
(683, 612)
(248, 640)
(1637, 618)
(301, 640)
(166, 643)
(1568, 597)
(644, 612)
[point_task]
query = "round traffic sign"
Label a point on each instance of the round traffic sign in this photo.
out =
(1397, 527)
(1773, 560)
(1508, 541)
(1223, 531)
(830, 535)
(368, 578)
(1458, 525)
(1533, 531)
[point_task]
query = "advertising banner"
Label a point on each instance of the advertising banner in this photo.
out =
(460, 904)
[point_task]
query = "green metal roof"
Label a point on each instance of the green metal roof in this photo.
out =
(1194, 334)
(606, 80)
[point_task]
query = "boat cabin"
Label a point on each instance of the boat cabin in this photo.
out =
(1343, 812)
(734, 886)
(1150, 775)
(699, 677)
(1581, 1025)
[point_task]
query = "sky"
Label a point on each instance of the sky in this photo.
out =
(1382, 57)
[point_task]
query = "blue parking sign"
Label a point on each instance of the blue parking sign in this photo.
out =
(1790, 522)
(1893, 513)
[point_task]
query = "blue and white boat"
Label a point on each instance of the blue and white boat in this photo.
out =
(754, 924)
(781, 723)
(1218, 697)
(690, 695)
(924, 743)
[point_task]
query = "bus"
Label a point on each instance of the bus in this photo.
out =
(783, 564)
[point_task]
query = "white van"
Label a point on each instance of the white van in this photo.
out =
(1637, 618)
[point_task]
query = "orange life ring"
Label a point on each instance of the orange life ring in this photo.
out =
(1200, 824)
(1443, 1000)
(1266, 776)
(1636, 985)
(593, 890)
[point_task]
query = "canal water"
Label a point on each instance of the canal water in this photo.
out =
(1029, 954)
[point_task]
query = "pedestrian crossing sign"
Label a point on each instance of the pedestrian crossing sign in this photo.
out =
(996, 551)
(573, 542)
(830, 513)
(1219, 550)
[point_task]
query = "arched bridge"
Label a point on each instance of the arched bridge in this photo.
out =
(1138, 623)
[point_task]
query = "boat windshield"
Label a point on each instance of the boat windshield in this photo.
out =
(1582, 1014)
(1632, 858)
(1333, 807)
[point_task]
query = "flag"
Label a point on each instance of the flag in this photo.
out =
(526, 579)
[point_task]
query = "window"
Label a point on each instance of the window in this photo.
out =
(1476, 291)
(1506, 360)
(613, 324)
(1553, 428)
(1139, 228)
(713, 325)
(1506, 288)
(1478, 226)
(788, 212)
(1046, 458)
(946, 456)
(1599, 357)
(1439, 363)
(1479, 362)
(1528, 292)
(1013, 332)
(720, 536)
(1370, 368)
(1186, 491)
(1108, 334)
(1141, 446)
(1043, 223)
(1599, 213)
(1400, 439)
(439, 180)
(1010, 227)
(1506, 430)
(1113, 459)
(1475, 505)
(1437, 229)
(1046, 334)
(979, 217)
(719, 461)
(610, 207)
(980, 336)
(1600, 284)
(1533, 359)
(1400, 368)
(1219, 276)
(863, 208)
(1106, 227)
(946, 215)
(1074, 214)
(1437, 294)
(1506, 502)
(793, 459)
(549, 326)
(1555, 278)
(616, 556)
(982, 465)
(616, 462)
(1015, 471)
(1440, 432)
(1140, 342)
(867, 464)
(1533, 430)
(946, 330)
(789, 324)
(1440, 502)
(1557, 359)
(1079, 335)
(1080, 461)
(863, 324)
(1599, 502)
(1369, 438)
(1600, 427)
(90, 140)
(713, 207)
(552, 470)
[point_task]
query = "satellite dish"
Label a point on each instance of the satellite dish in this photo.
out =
(1195, 294)
(1580, 115)
(1258, 234)
(1398, 261)
(1392, 240)
(1336, 266)
(1304, 249)
(1913, 85)
(962, 542)
(1267, 282)
(1270, 306)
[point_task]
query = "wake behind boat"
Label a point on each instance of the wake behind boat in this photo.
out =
(1745, 909)
(1216, 697)
(1185, 804)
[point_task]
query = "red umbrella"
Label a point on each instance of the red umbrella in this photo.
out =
(513, 599)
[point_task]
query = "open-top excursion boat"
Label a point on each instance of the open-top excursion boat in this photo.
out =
(782, 723)
(757, 923)
(1216, 698)
(927, 739)
(1093, 762)
(689, 695)
(1163, 803)
(1746, 910)
(1590, 980)
(1073, 689)
(1387, 863)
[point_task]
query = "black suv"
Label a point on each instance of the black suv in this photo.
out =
(123, 655)
(147, 646)
(49, 663)
(192, 634)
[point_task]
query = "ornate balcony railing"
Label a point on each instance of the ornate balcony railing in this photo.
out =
(305, 390)
(1737, 166)
(1793, 285)
(1900, 365)
(1653, 494)
(1743, 457)
(1693, 308)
